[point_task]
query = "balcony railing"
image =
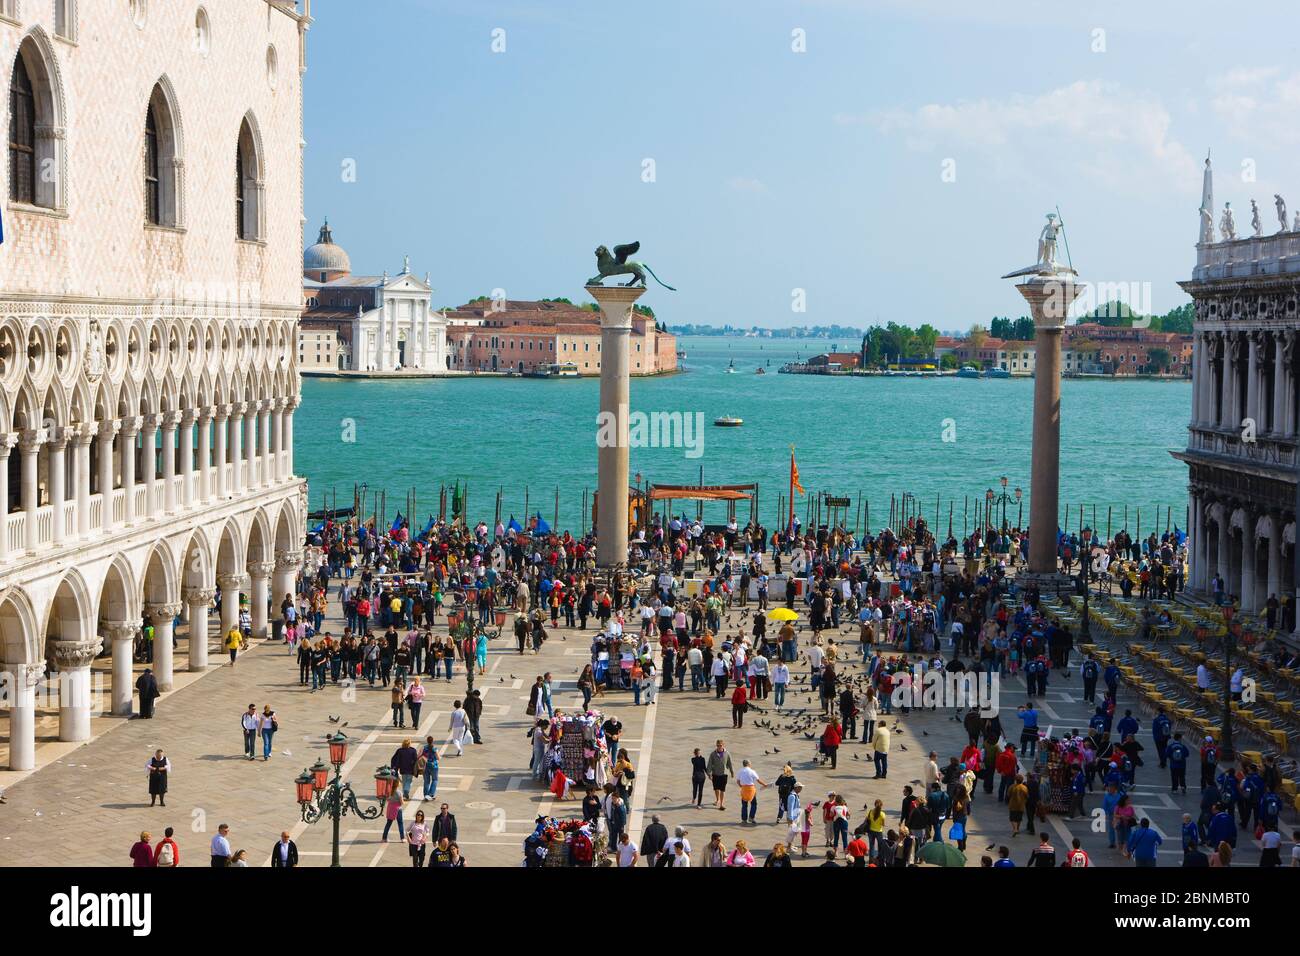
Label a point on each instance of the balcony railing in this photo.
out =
(1277, 254)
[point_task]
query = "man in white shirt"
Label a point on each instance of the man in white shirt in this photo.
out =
(679, 839)
(1202, 677)
(221, 846)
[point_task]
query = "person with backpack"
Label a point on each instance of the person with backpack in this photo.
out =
(1209, 762)
(1090, 672)
(1176, 754)
(1160, 729)
(1077, 857)
(167, 853)
(581, 849)
(1251, 793)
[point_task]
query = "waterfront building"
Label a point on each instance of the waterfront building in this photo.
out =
(148, 313)
(1242, 437)
(365, 323)
(488, 335)
(1124, 350)
(836, 361)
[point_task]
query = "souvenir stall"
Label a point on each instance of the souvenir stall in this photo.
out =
(576, 756)
(1063, 759)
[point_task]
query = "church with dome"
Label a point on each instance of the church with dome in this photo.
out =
(366, 323)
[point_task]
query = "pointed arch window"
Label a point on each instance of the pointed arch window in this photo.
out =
(22, 135)
(151, 211)
(163, 167)
(248, 185)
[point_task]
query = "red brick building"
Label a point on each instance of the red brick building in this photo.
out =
(522, 336)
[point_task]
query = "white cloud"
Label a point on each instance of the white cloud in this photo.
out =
(1091, 130)
(1258, 104)
(746, 184)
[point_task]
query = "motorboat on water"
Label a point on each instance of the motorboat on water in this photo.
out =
(968, 371)
(728, 421)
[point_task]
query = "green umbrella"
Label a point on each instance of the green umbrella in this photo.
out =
(941, 854)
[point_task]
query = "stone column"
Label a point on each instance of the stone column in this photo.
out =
(163, 617)
(187, 458)
(107, 431)
(198, 599)
(121, 637)
(130, 427)
(277, 447)
(83, 435)
(7, 443)
(205, 454)
(380, 334)
(149, 461)
(1198, 378)
(237, 447)
(1232, 400)
(1253, 381)
(1049, 298)
(288, 437)
(1194, 535)
(231, 584)
(287, 566)
(1248, 564)
(73, 659)
(1274, 585)
(264, 468)
(259, 573)
(1223, 527)
(223, 433)
(251, 471)
(58, 445)
(612, 423)
(169, 423)
(22, 715)
(29, 446)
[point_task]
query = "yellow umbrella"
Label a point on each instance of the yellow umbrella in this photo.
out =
(782, 614)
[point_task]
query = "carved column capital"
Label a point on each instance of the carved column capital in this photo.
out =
(108, 429)
(199, 596)
(71, 655)
(170, 420)
(221, 412)
(131, 425)
(231, 582)
(163, 613)
(120, 632)
(288, 560)
(31, 439)
(26, 675)
(261, 569)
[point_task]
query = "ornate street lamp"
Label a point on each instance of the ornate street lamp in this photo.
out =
(319, 797)
(1229, 645)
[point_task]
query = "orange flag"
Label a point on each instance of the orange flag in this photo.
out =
(794, 476)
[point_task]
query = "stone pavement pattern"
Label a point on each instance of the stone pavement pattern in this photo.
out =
(100, 788)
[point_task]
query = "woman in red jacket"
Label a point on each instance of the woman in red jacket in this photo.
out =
(831, 738)
(739, 704)
(1007, 766)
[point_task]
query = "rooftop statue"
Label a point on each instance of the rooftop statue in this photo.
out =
(619, 264)
(1254, 219)
(1227, 224)
(1046, 264)
(1280, 204)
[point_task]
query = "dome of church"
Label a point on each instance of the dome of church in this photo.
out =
(325, 256)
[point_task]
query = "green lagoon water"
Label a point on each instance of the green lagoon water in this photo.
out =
(873, 436)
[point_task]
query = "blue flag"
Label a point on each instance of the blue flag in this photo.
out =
(541, 527)
(397, 523)
(514, 525)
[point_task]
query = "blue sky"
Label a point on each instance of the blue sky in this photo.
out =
(776, 170)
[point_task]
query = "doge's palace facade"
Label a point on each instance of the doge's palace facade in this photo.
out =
(149, 292)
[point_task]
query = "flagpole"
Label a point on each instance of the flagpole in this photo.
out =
(790, 522)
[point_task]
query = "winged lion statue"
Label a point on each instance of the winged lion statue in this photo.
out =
(619, 264)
